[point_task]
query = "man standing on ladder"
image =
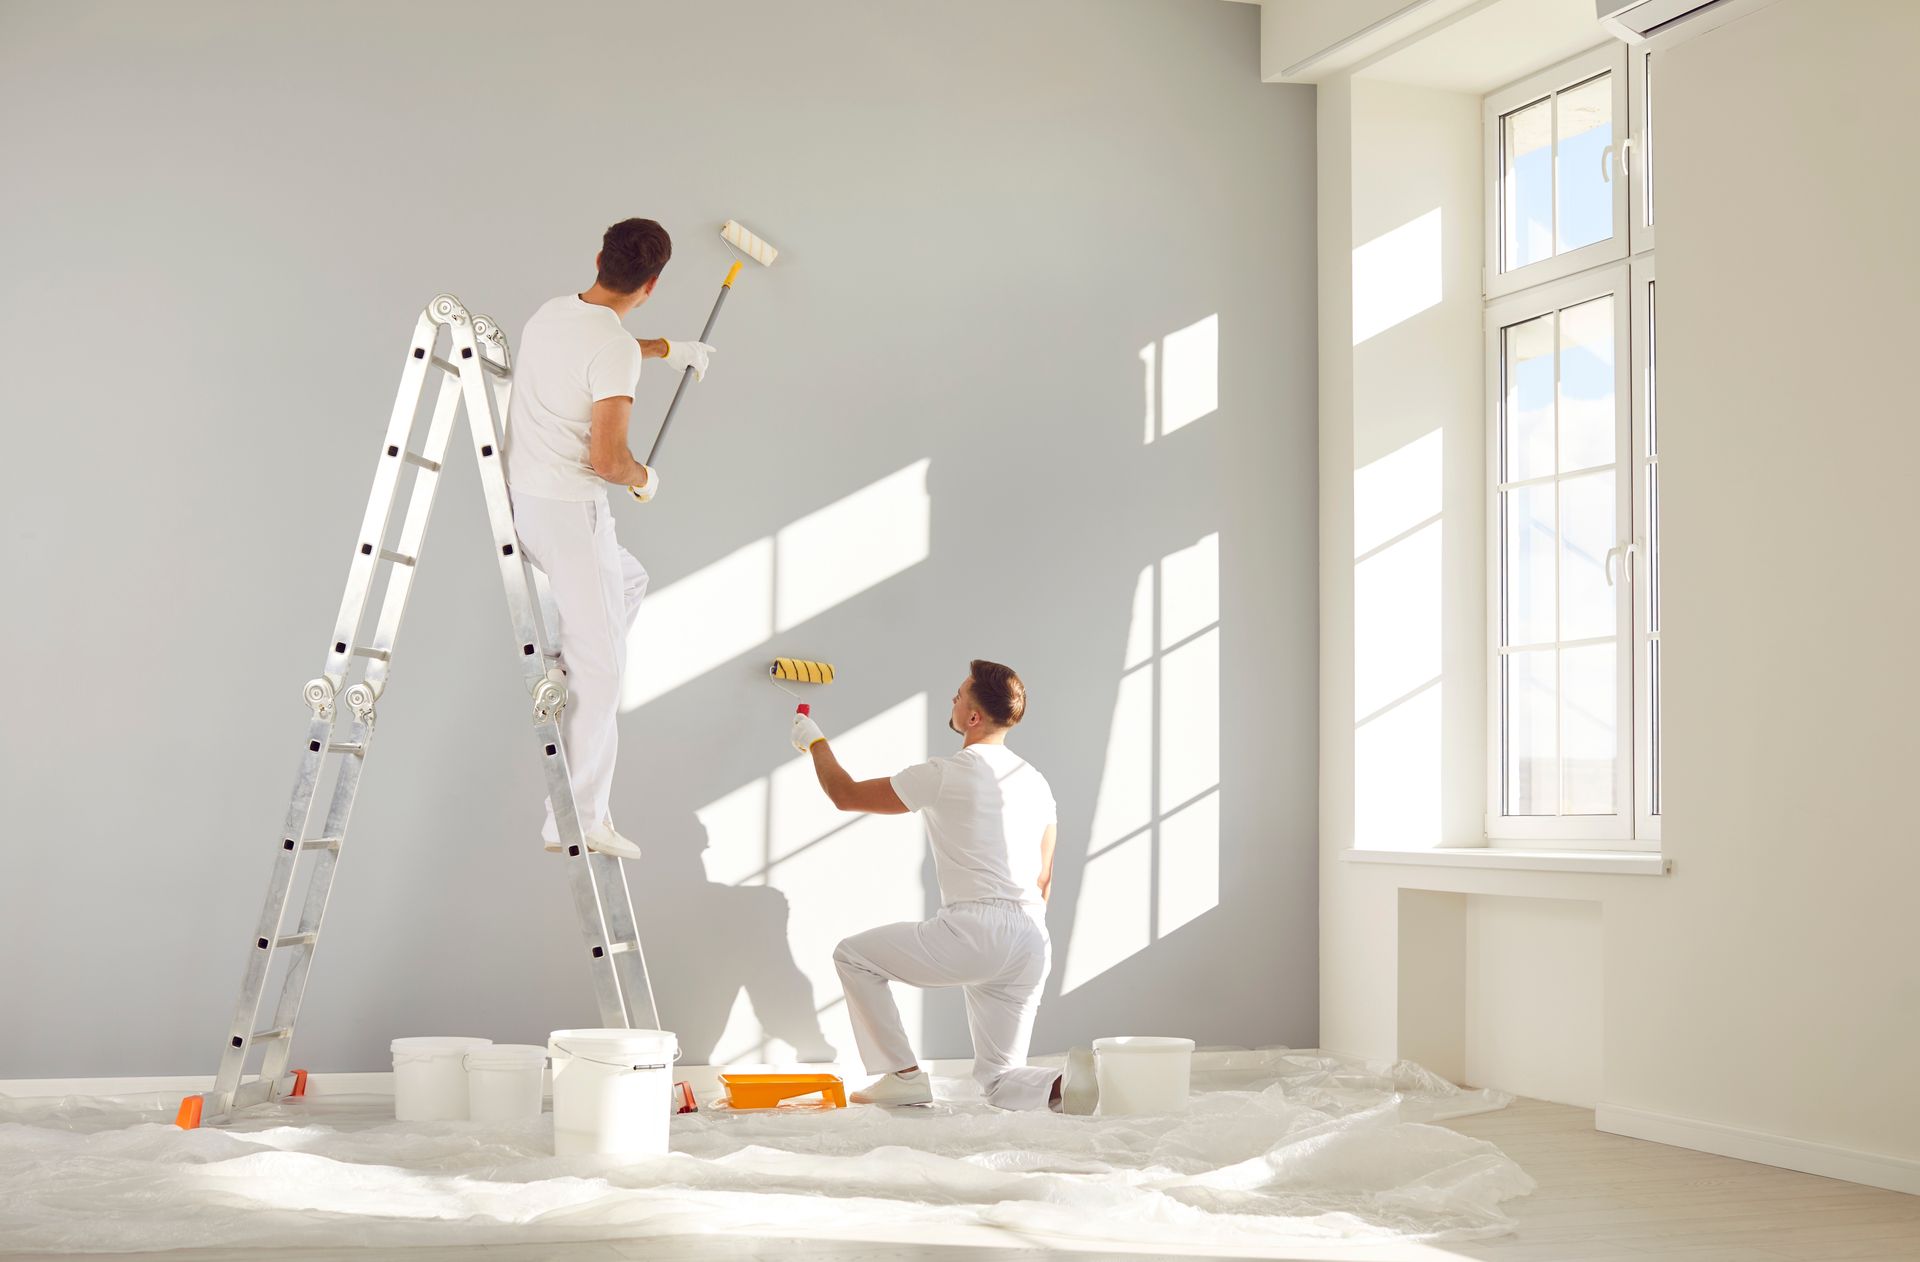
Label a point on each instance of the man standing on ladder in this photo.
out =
(574, 371)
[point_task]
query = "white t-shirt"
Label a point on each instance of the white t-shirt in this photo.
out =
(571, 355)
(987, 809)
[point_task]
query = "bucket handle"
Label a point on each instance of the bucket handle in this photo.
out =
(466, 1058)
(617, 1064)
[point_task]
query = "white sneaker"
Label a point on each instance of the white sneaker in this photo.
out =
(896, 1089)
(1079, 1087)
(602, 840)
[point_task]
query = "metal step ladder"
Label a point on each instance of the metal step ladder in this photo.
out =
(475, 376)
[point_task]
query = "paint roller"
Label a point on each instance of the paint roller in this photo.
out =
(755, 248)
(800, 671)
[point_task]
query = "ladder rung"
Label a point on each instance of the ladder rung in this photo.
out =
(348, 747)
(616, 948)
(378, 655)
(448, 366)
(267, 1036)
(321, 843)
(414, 457)
(398, 558)
(295, 939)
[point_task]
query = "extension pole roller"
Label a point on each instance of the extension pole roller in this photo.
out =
(737, 236)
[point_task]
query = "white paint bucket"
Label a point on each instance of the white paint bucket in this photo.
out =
(612, 1090)
(429, 1081)
(1141, 1074)
(506, 1082)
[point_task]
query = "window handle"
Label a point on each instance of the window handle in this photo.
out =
(1624, 550)
(1626, 149)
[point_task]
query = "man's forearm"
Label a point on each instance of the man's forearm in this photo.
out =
(632, 473)
(833, 777)
(652, 347)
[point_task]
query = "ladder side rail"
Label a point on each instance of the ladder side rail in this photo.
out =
(484, 428)
(279, 884)
(373, 527)
(413, 531)
(616, 902)
(293, 986)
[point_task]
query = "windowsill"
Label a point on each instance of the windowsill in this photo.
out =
(1608, 862)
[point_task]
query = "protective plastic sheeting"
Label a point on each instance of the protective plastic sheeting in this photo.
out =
(1277, 1145)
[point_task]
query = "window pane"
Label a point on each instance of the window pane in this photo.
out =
(1588, 606)
(1532, 723)
(1529, 401)
(1653, 548)
(1588, 421)
(1589, 727)
(1584, 116)
(1529, 565)
(1527, 184)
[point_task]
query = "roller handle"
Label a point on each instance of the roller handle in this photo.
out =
(726, 287)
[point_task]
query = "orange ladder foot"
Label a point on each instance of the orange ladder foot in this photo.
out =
(188, 1118)
(299, 1084)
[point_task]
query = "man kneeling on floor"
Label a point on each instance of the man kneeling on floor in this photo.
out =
(991, 821)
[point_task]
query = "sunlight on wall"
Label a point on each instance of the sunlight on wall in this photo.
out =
(1396, 276)
(852, 544)
(831, 555)
(1153, 850)
(1190, 374)
(709, 617)
(1184, 368)
(1398, 599)
(841, 873)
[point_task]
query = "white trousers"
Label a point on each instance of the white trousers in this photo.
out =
(995, 950)
(597, 587)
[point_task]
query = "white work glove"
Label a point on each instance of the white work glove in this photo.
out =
(682, 355)
(652, 487)
(806, 733)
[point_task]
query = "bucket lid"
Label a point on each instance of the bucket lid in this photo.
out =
(1142, 1043)
(437, 1045)
(506, 1056)
(615, 1043)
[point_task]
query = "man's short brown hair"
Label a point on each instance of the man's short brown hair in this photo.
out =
(998, 692)
(633, 252)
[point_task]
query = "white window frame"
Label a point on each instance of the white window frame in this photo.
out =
(1616, 830)
(1637, 164)
(1643, 560)
(1496, 282)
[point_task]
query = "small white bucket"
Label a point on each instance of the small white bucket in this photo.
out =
(429, 1080)
(1142, 1075)
(506, 1082)
(612, 1090)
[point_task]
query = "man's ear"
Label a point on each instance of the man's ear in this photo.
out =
(596, 263)
(646, 290)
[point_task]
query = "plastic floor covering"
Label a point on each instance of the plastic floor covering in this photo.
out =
(1276, 1146)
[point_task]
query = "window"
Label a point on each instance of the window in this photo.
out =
(1559, 201)
(1573, 602)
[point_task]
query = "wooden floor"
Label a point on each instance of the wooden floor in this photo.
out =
(1601, 1198)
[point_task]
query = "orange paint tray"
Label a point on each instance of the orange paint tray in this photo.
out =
(766, 1091)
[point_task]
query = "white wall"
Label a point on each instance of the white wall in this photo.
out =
(221, 221)
(1762, 999)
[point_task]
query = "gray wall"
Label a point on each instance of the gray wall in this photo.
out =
(217, 225)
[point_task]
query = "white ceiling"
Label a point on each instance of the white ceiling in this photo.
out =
(1492, 44)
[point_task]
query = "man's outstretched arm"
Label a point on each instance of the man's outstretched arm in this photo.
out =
(870, 797)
